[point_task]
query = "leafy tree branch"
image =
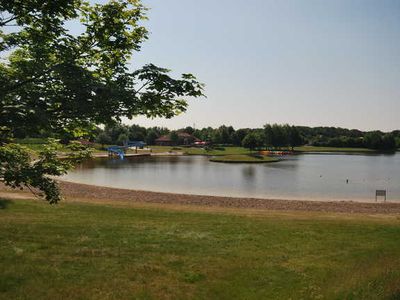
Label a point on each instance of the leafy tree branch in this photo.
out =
(55, 81)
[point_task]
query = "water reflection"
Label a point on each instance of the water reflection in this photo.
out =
(249, 172)
(302, 176)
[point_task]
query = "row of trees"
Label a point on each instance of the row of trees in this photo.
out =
(342, 137)
(270, 136)
(118, 134)
(273, 137)
(372, 140)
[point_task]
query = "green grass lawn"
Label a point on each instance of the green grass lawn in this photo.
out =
(161, 149)
(243, 159)
(88, 251)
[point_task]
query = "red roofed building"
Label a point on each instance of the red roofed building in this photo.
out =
(184, 139)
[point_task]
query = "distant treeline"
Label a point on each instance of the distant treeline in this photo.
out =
(270, 136)
(352, 138)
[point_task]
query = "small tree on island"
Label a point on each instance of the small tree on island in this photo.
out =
(54, 81)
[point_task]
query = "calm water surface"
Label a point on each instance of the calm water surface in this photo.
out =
(297, 177)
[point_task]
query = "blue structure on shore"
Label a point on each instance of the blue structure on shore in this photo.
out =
(120, 150)
(116, 150)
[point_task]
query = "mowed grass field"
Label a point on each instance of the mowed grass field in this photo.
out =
(105, 251)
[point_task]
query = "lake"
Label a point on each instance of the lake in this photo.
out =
(307, 176)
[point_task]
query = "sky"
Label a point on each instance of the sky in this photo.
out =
(313, 63)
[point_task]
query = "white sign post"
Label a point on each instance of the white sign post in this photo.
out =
(381, 193)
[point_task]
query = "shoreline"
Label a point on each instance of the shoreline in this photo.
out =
(97, 194)
(271, 197)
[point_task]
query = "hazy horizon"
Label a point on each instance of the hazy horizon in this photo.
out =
(311, 63)
(156, 123)
(166, 123)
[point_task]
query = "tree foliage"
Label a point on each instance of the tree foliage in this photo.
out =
(174, 137)
(21, 170)
(103, 138)
(151, 137)
(55, 81)
(253, 140)
(275, 136)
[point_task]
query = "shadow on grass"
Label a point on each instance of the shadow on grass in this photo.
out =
(4, 203)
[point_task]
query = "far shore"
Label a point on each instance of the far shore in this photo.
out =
(224, 158)
(98, 194)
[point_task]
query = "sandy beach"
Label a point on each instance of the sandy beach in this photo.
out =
(90, 193)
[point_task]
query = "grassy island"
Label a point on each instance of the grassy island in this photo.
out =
(243, 159)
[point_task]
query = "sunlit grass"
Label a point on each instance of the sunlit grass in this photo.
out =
(85, 251)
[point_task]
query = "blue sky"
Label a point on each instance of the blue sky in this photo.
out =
(315, 62)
